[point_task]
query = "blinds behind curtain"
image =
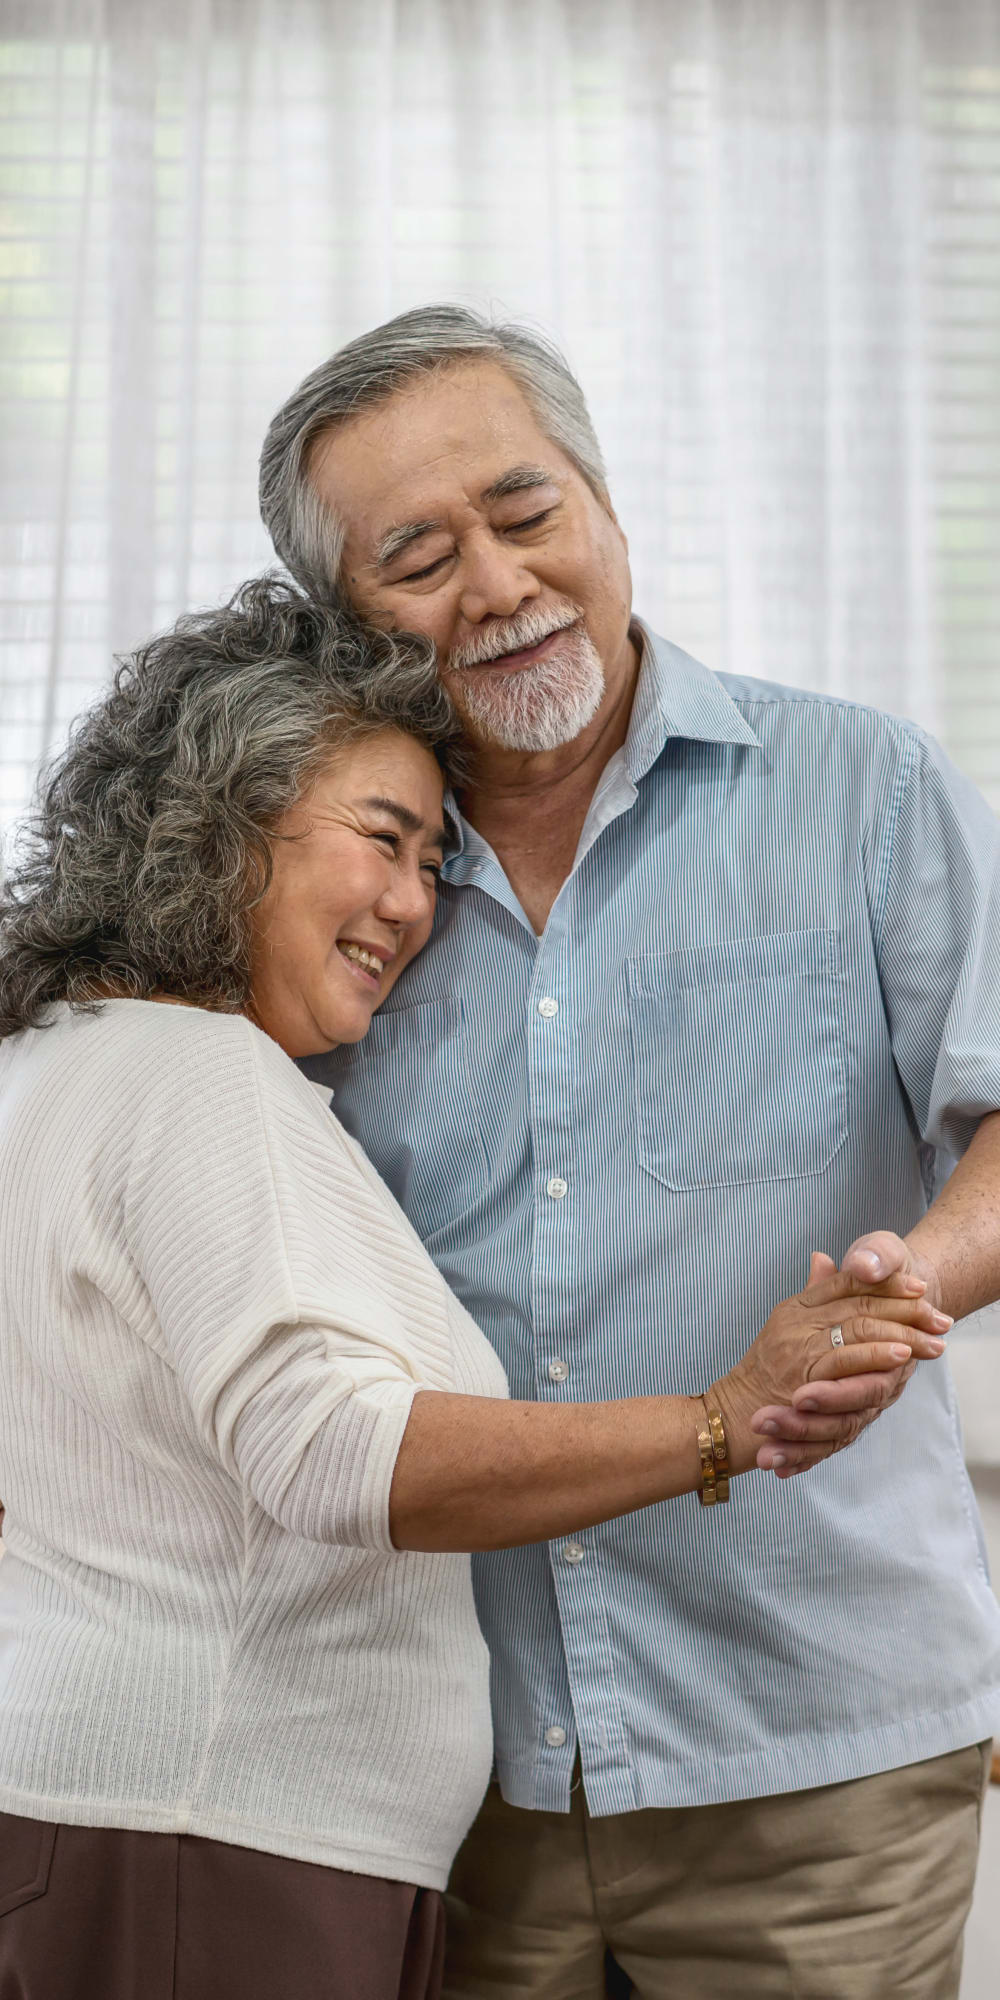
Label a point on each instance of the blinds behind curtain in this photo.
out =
(766, 231)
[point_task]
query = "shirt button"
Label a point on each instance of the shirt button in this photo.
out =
(558, 1368)
(477, 868)
(572, 1552)
(557, 1187)
(548, 1007)
(555, 1737)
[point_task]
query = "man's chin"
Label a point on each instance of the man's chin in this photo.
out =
(536, 708)
(492, 727)
(485, 741)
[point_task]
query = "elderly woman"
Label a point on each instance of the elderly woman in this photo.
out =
(247, 1431)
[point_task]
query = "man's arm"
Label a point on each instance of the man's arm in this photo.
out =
(936, 926)
(956, 1245)
(933, 869)
(955, 1248)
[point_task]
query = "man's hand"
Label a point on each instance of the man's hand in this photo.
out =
(955, 1246)
(879, 1255)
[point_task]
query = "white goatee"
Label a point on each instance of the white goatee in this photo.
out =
(540, 707)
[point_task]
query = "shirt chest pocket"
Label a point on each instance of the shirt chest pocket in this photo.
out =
(413, 1114)
(738, 1060)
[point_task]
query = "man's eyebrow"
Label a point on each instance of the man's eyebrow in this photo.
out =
(408, 820)
(396, 540)
(517, 480)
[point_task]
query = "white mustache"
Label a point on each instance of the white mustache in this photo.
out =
(528, 628)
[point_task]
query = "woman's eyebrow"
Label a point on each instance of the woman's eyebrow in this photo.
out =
(409, 821)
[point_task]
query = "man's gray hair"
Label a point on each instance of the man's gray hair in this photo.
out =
(152, 839)
(305, 530)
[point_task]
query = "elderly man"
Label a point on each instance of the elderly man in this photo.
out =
(714, 979)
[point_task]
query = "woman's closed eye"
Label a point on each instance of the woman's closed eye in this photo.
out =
(393, 841)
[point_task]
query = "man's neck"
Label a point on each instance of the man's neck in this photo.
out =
(531, 808)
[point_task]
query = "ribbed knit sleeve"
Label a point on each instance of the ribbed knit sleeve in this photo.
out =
(246, 1222)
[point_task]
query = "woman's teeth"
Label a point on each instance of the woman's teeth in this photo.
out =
(365, 958)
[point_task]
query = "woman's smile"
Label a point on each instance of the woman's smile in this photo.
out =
(365, 961)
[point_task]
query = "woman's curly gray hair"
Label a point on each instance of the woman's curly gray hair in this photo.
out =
(151, 841)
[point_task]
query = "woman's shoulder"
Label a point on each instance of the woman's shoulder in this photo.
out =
(166, 1080)
(210, 1055)
(207, 1039)
(128, 1026)
(150, 1050)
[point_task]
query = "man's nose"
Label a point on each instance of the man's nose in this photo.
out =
(494, 582)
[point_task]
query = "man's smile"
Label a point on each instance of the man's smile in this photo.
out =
(525, 656)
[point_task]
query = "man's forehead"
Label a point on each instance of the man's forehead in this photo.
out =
(457, 432)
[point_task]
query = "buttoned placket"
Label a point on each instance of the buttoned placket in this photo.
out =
(552, 1053)
(594, 1719)
(550, 1096)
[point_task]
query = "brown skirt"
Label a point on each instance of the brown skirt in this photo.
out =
(87, 1911)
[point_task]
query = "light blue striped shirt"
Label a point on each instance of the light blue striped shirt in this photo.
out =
(765, 1007)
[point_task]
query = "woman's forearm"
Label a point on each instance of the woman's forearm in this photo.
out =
(473, 1473)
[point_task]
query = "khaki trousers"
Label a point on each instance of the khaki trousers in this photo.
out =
(857, 1891)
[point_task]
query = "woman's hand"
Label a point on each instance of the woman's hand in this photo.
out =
(809, 1397)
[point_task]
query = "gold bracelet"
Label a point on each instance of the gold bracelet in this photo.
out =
(720, 1453)
(706, 1450)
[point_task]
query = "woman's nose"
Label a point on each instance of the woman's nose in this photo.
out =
(408, 898)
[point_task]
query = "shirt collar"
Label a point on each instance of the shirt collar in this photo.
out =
(675, 696)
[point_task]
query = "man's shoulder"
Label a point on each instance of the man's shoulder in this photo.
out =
(791, 723)
(807, 712)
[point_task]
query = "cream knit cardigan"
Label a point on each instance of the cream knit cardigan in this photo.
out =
(213, 1319)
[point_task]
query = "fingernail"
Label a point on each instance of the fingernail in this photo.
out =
(936, 1346)
(779, 1458)
(914, 1287)
(875, 1264)
(772, 1429)
(901, 1353)
(943, 1320)
(808, 1405)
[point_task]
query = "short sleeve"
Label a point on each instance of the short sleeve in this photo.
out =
(242, 1222)
(938, 943)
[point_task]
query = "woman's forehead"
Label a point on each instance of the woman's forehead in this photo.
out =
(388, 765)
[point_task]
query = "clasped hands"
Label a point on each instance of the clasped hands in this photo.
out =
(796, 1397)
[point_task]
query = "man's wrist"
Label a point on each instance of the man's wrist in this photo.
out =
(924, 1267)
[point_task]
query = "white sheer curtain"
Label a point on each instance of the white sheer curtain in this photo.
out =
(766, 231)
